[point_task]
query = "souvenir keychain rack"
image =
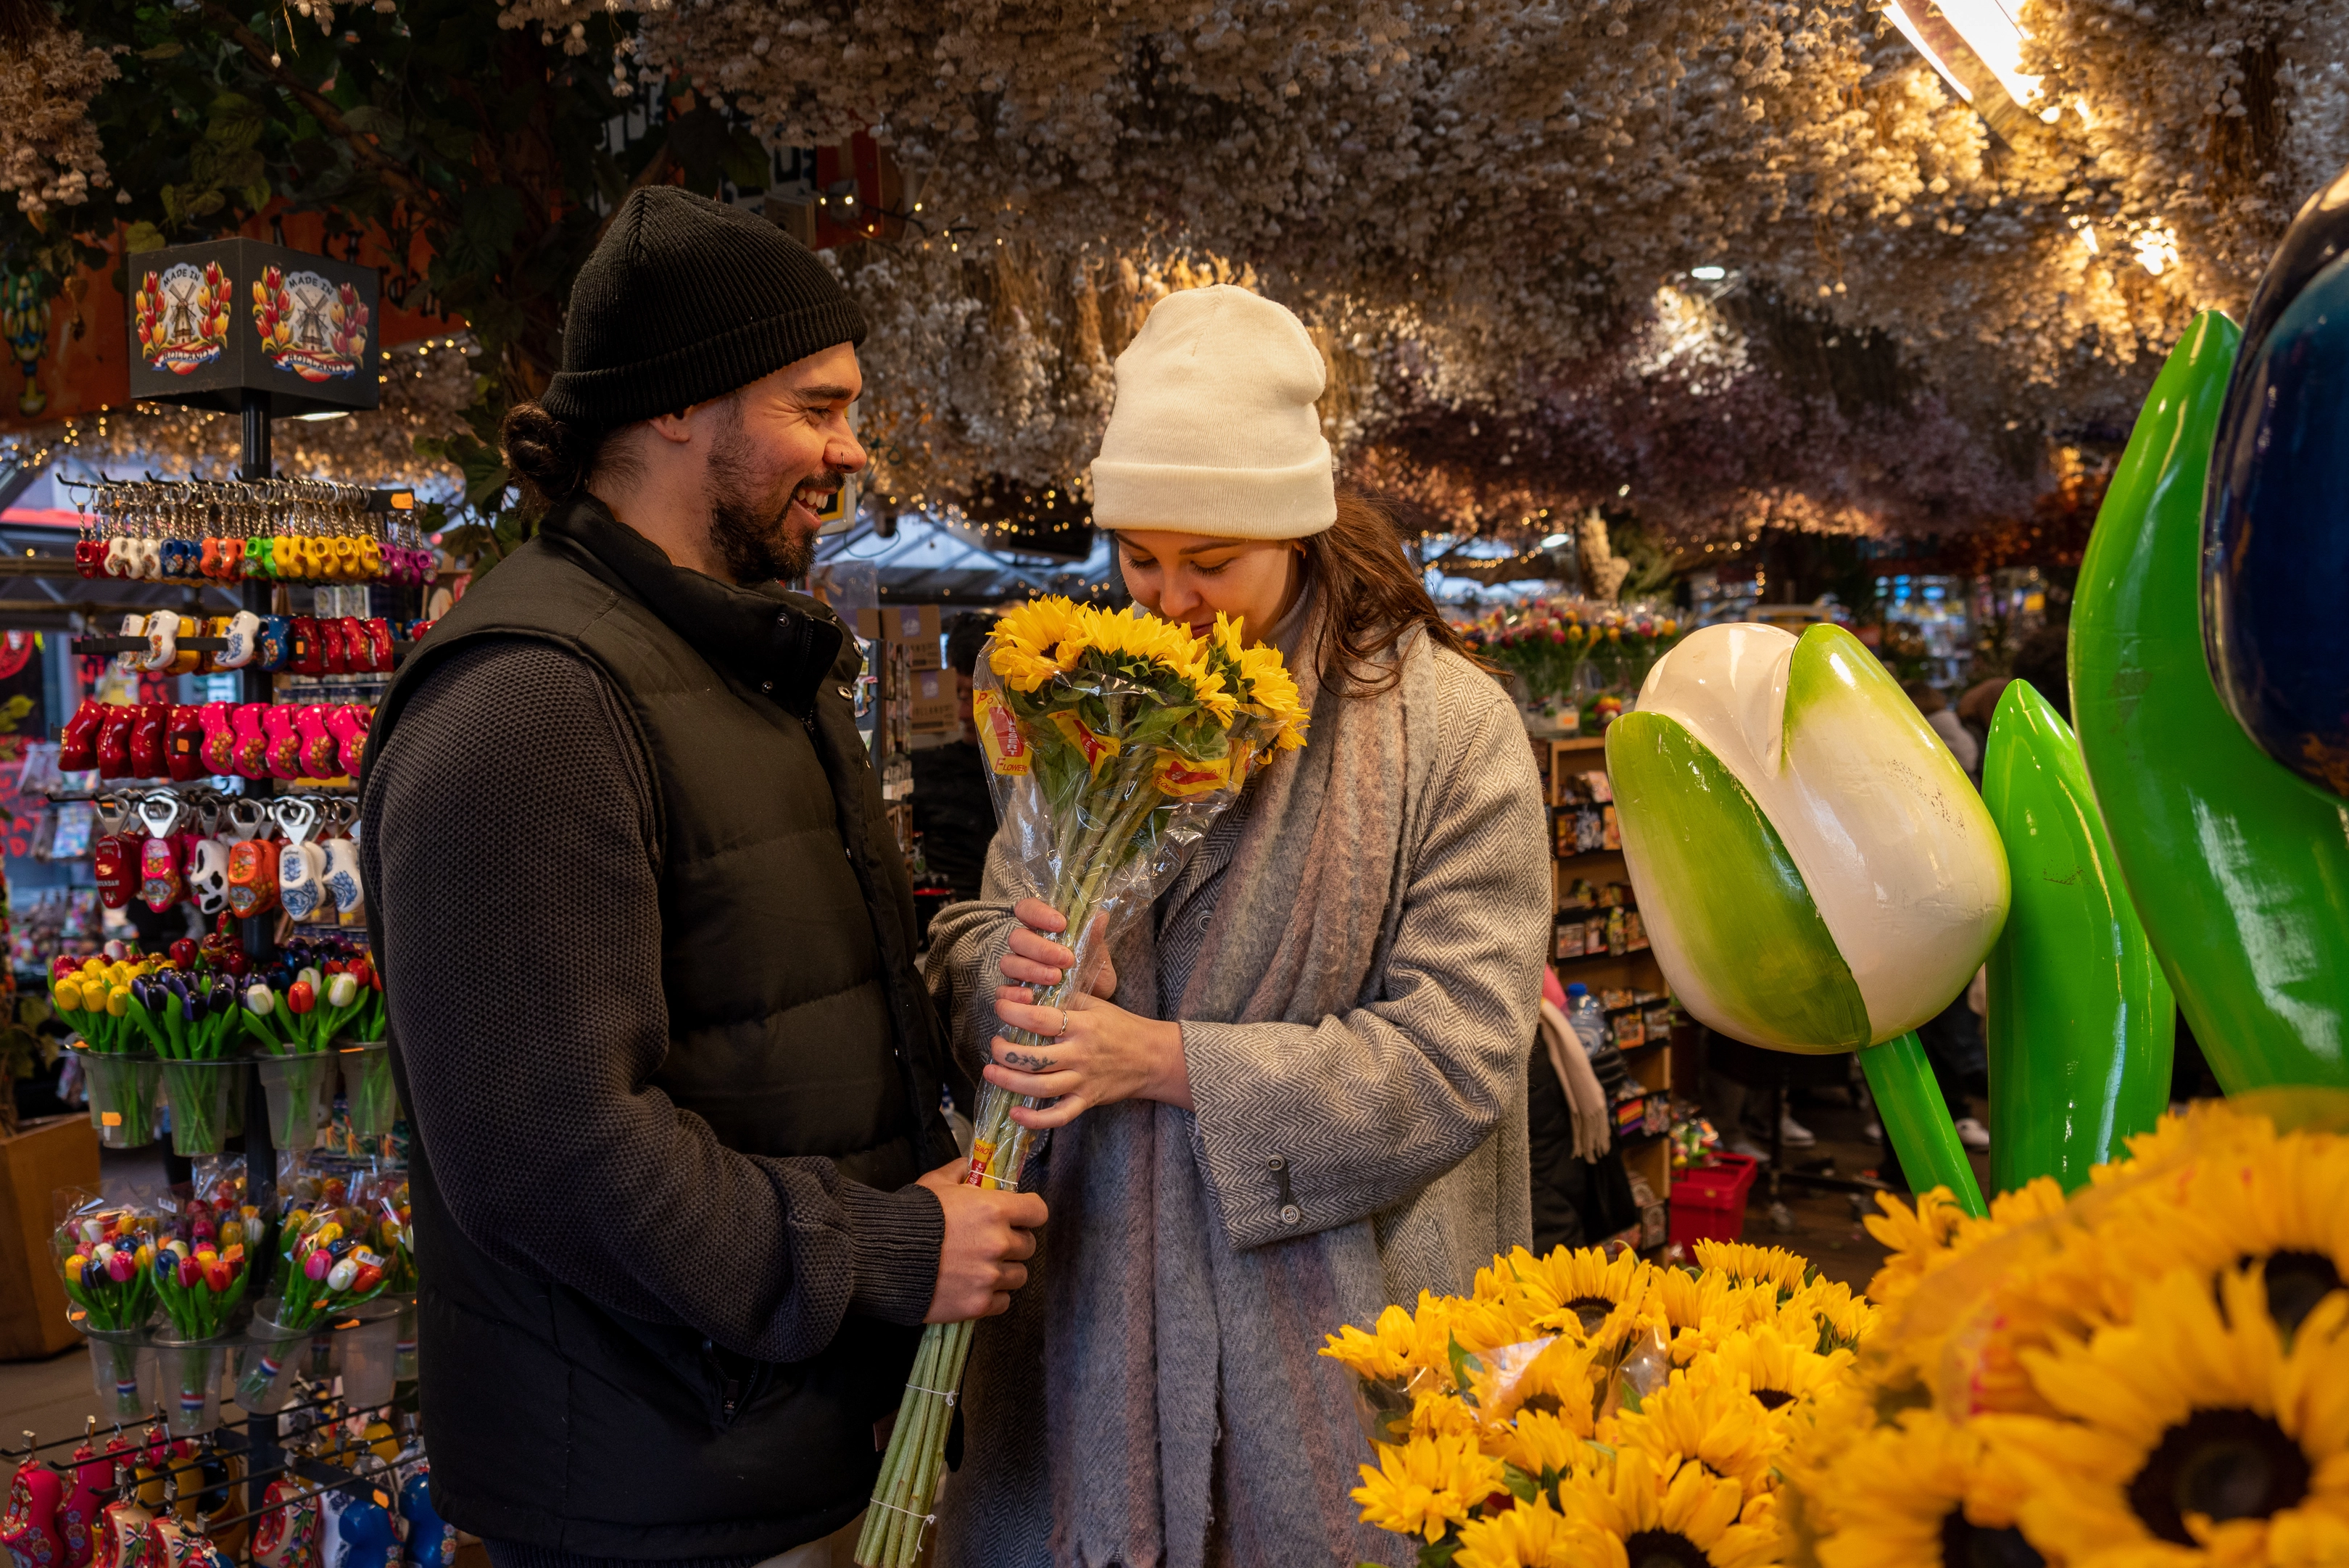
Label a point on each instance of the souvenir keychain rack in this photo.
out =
(223, 532)
(312, 1441)
(256, 478)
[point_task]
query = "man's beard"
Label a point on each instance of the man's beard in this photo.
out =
(748, 526)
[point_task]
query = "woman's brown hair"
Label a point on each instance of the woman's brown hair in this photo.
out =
(1371, 597)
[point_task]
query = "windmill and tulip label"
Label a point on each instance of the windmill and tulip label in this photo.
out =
(215, 320)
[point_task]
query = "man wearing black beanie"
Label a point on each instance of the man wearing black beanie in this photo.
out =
(673, 1081)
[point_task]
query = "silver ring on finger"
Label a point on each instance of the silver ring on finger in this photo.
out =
(1064, 1023)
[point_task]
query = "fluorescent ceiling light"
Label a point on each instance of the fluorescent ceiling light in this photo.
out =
(1553, 541)
(1708, 275)
(325, 413)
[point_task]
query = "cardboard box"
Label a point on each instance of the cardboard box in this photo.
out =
(52, 1153)
(934, 701)
(913, 626)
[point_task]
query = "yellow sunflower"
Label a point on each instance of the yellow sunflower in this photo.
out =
(1530, 1535)
(1918, 1240)
(2191, 1435)
(1541, 1443)
(1574, 1290)
(1560, 1379)
(1271, 692)
(1698, 1308)
(1776, 1368)
(1713, 1422)
(1918, 1493)
(2280, 1203)
(1421, 1487)
(1636, 1516)
(1839, 1314)
(1393, 1348)
(1749, 1265)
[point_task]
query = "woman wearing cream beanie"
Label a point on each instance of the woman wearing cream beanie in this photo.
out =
(1307, 1097)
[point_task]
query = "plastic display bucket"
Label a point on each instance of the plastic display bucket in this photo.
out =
(123, 1093)
(188, 1374)
(368, 1093)
(300, 1089)
(204, 1098)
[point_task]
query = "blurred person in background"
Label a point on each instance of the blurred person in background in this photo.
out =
(952, 808)
(1948, 726)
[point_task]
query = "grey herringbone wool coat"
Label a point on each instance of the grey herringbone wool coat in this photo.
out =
(1357, 950)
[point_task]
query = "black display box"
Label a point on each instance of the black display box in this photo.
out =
(210, 321)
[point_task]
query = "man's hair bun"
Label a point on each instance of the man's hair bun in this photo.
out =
(550, 458)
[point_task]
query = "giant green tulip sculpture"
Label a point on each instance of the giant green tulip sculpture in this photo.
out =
(2081, 1020)
(1816, 871)
(2238, 868)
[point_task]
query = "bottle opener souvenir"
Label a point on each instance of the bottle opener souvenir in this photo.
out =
(114, 742)
(77, 742)
(122, 1529)
(131, 663)
(285, 1535)
(77, 1514)
(162, 640)
(220, 739)
(431, 1541)
(305, 654)
(348, 725)
(277, 640)
(160, 886)
(207, 861)
(29, 1528)
(114, 854)
(318, 743)
(147, 739)
(251, 861)
(285, 750)
(342, 879)
(301, 864)
(183, 744)
(251, 749)
(243, 634)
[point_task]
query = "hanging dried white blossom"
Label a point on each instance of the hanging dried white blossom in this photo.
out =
(50, 153)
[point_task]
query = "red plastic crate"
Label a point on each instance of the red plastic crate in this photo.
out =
(1709, 1202)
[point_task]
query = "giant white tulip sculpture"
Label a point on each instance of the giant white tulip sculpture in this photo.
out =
(1816, 871)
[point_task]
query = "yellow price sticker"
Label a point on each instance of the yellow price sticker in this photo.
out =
(111, 1118)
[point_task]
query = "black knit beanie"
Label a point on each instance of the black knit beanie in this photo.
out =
(685, 300)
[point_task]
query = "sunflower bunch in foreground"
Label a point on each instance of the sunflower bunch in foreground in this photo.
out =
(1581, 1408)
(1111, 740)
(2153, 1371)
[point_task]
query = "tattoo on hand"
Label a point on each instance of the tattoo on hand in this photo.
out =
(1026, 1062)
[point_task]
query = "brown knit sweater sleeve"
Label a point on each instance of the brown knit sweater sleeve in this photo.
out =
(509, 846)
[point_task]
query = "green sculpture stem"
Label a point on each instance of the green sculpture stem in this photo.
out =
(1916, 1120)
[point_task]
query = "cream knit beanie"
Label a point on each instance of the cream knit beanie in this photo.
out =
(1213, 431)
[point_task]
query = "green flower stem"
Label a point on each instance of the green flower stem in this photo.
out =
(1916, 1120)
(1089, 856)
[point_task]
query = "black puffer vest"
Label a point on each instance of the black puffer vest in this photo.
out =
(798, 1028)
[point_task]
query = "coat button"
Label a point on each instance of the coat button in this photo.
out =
(1290, 1213)
(1276, 1163)
(846, 693)
(766, 686)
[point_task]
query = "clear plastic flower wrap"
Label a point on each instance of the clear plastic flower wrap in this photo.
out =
(1111, 740)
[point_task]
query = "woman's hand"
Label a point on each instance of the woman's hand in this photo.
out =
(1037, 958)
(1094, 1052)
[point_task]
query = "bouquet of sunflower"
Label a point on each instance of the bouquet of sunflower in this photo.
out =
(1111, 740)
(1583, 1408)
(2154, 1369)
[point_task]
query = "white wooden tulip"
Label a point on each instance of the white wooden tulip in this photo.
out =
(1816, 871)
